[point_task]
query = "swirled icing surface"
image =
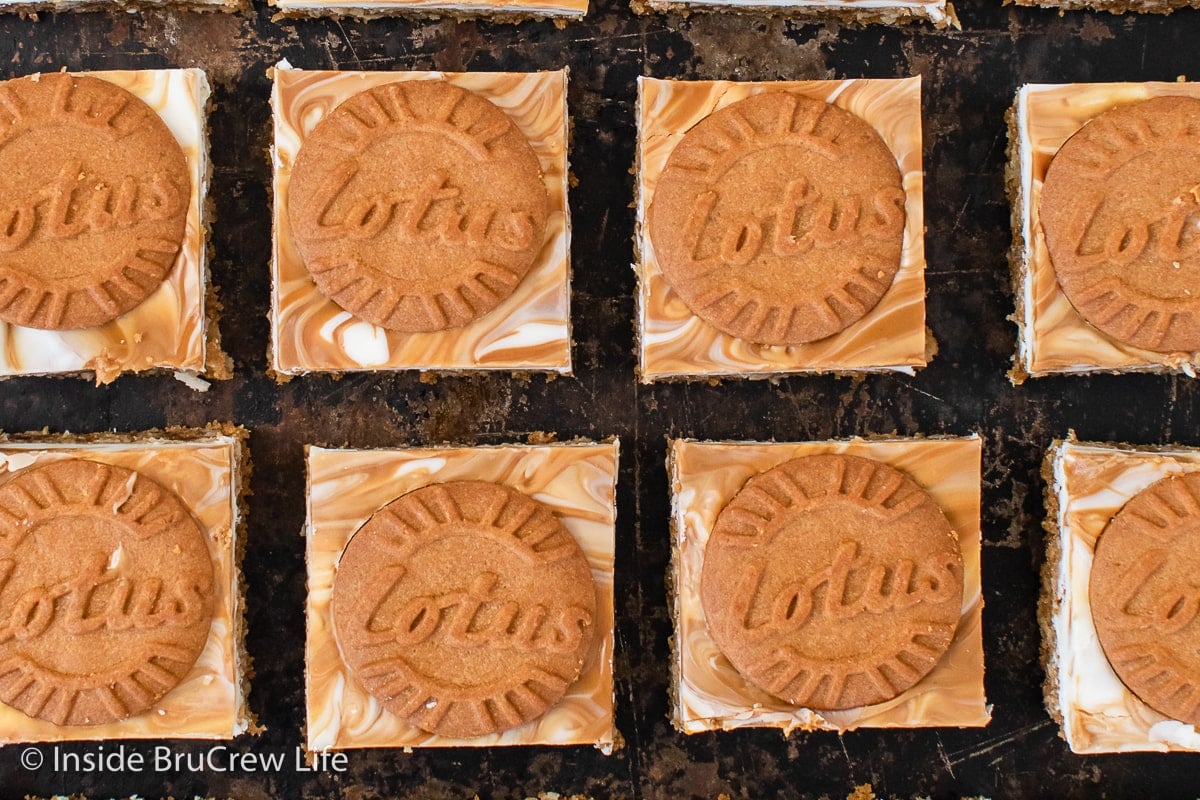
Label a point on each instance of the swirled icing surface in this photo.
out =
(709, 694)
(167, 330)
(345, 487)
(528, 331)
(673, 342)
(208, 703)
(1054, 338)
(1099, 714)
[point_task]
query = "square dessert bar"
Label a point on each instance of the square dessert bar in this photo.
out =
(708, 692)
(346, 487)
(207, 469)
(1052, 337)
(174, 329)
(1086, 484)
(889, 12)
(674, 343)
(528, 331)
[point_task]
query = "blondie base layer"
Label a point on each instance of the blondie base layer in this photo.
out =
(528, 331)
(1053, 338)
(146, 486)
(674, 343)
(1086, 485)
(174, 329)
(708, 693)
(576, 482)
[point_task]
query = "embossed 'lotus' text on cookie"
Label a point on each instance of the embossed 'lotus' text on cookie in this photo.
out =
(473, 615)
(465, 608)
(417, 206)
(779, 219)
(1145, 597)
(93, 201)
(832, 582)
(1120, 209)
(106, 592)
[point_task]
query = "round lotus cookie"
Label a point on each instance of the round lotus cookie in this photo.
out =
(1144, 597)
(779, 219)
(465, 608)
(94, 195)
(832, 582)
(417, 206)
(106, 592)
(1120, 209)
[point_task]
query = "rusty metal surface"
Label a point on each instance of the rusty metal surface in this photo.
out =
(969, 78)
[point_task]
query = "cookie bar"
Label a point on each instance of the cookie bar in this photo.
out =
(487, 613)
(128, 219)
(720, 236)
(121, 564)
(482, 282)
(1118, 627)
(1124, 197)
(737, 658)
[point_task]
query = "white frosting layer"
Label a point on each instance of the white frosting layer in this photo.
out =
(208, 703)
(345, 487)
(530, 330)
(674, 343)
(167, 330)
(1053, 337)
(709, 692)
(1099, 714)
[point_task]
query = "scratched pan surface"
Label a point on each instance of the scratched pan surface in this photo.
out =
(969, 80)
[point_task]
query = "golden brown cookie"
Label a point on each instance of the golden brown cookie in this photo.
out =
(106, 592)
(417, 206)
(1120, 209)
(465, 608)
(1145, 598)
(779, 219)
(94, 194)
(832, 582)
